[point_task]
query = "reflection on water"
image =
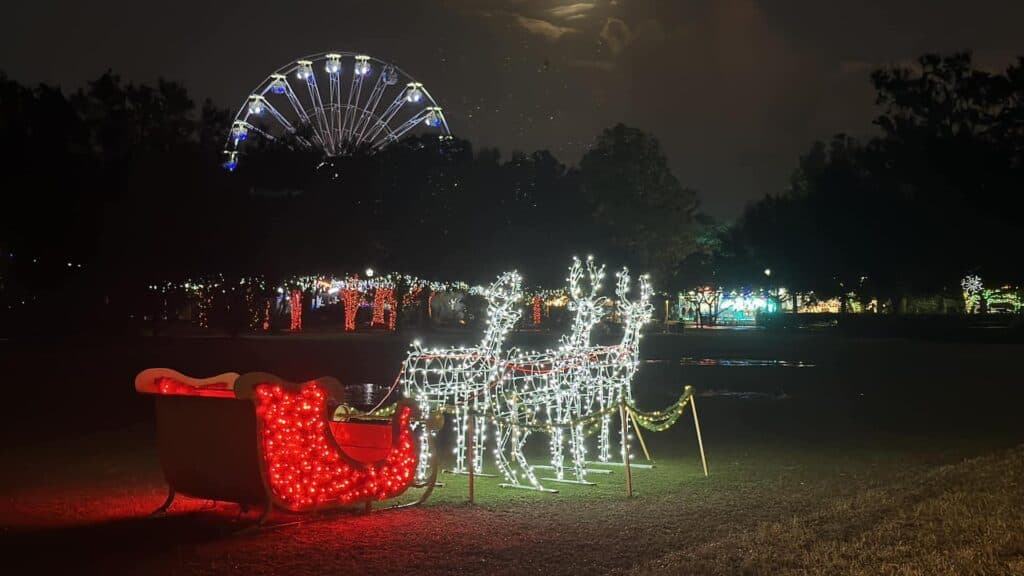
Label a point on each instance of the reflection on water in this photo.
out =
(732, 362)
(742, 395)
(660, 378)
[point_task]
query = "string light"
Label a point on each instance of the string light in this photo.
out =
(972, 287)
(536, 311)
(522, 392)
(384, 300)
(306, 468)
(296, 310)
(351, 298)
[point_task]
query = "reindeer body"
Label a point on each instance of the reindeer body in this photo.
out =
(561, 386)
(461, 378)
(522, 391)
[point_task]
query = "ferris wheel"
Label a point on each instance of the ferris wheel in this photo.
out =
(345, 116)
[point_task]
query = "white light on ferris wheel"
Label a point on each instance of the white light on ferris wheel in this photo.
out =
(362, 65)
(414, 93)
(255, 105)
(240, 132)
(333, 65)
(433, 118)
(304, 70)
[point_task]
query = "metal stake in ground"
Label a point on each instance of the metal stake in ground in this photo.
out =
(471, 424)
(625, 447)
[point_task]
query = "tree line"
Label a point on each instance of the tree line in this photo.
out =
(934, 197)
(118, 184)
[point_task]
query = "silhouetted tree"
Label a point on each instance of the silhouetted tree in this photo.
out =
(637, 200)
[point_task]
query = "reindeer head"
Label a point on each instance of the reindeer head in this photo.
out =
(634, 314)
(503, 311)
(589, 307)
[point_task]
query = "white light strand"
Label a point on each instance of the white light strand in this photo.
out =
(520, 392)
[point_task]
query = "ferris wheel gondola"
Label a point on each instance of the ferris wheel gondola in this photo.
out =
(341, 118)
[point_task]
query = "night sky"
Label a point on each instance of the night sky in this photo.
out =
(734, 89)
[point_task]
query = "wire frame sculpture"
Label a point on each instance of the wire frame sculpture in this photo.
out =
(555, 391)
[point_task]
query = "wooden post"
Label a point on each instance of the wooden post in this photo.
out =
(700, 443)
(636, 428)
(471, 423)
(625, 447)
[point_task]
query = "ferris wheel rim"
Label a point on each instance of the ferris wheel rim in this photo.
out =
(380, 126)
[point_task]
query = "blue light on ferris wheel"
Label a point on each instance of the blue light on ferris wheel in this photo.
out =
(230, 165)
(433, 119)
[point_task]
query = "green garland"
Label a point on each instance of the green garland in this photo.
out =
(344, 411)
(655, 420)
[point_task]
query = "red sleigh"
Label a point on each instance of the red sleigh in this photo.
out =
(259, 440)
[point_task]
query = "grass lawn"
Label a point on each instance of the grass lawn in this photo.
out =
(767, 508)
(883, 478)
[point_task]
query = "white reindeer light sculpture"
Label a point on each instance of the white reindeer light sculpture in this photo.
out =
(558, 389)
(547, 391)
(461, 378)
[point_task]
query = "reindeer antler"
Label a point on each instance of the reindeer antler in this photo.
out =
(589, 307)
(596, 277)
(639, 311)
(575, 275)
(502, 308)
(644, 307)
(622, 286)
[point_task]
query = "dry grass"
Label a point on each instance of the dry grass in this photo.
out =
(963, 518)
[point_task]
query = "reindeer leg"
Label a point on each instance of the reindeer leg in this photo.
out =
(423, 465)
(501, 459)
(557, 456)
(604, 440)
(518, 441)
(479, 442)
(579, 453)
(461, 421)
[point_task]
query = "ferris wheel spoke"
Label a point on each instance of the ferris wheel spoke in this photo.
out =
(363, 122)
(294, 101)
(401, 130)
(333, 68)
(321, 116)
(279, 117)
(262, 133)
(385, 118)
(355, 91)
